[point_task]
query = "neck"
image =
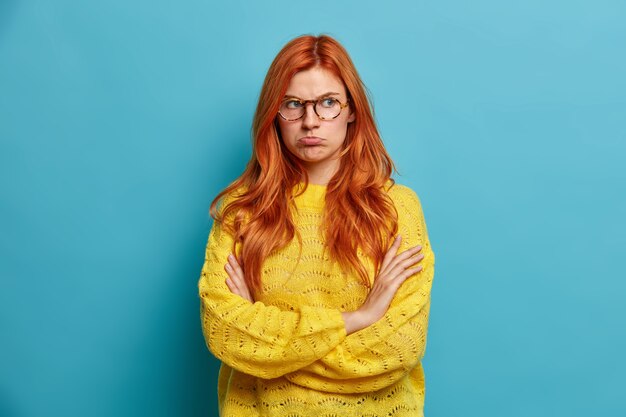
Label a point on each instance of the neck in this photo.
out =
(321, 172)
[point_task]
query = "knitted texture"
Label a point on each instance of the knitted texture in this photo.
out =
(287, 354)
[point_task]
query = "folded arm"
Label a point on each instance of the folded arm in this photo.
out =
(381, 354)
(254, 338)
(309, 346)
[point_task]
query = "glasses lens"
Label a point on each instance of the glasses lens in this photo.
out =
(291, 109)
(328, 108)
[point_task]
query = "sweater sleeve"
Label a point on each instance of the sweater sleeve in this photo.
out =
(383, 353)
(259, 339)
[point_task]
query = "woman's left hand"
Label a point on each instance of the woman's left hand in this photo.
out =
(235, 281)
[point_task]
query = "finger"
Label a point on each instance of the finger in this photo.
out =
(393, 249)
(233, 281)
(398, 269)
(236, 274)
(231, 286)
(235, 265)
(412, 271)
(403, 256)
(409, 252)
(237, 291)
(232, 273)
(406, 274)
(391, 252)
(412, 260)
(238, 278)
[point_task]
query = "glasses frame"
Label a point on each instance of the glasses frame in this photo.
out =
(315, 102)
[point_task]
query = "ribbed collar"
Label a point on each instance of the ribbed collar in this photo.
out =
(314, 196)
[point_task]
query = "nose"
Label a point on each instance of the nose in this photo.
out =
(310, 119)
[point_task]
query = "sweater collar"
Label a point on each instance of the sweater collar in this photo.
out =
(314, 196)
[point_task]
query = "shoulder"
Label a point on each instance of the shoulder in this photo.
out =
(235, 194)
(223, 211)
(231, 196)
(411, 221)
(404, 198)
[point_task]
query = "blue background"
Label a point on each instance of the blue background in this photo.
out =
(120, 121)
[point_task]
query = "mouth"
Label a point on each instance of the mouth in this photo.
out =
(310, 140)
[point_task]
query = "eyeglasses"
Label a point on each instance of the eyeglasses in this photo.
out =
(327, 108)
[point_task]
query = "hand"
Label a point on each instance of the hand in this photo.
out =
(235, 281)
(393, 272)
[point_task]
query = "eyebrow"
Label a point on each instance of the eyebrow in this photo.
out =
(330, 93)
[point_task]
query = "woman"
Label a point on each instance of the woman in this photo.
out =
(315, 290)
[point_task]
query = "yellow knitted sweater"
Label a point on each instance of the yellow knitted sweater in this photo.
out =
(287, 354)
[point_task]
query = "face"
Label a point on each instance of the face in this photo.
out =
(317, 143)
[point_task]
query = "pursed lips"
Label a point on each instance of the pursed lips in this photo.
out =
(310, 140)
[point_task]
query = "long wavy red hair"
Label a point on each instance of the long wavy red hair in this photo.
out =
(358, 214)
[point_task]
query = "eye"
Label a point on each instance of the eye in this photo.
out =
(328, 102)
(293, 104)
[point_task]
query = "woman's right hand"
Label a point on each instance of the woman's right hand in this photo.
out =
(393, 272)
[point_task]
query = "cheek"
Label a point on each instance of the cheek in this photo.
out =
(285, 130)
(340, 130)
(287, 135)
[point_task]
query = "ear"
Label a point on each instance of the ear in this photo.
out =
(352, 117)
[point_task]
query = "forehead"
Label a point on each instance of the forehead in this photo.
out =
(314, 82)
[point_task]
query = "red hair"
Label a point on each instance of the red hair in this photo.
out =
(358, 214)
